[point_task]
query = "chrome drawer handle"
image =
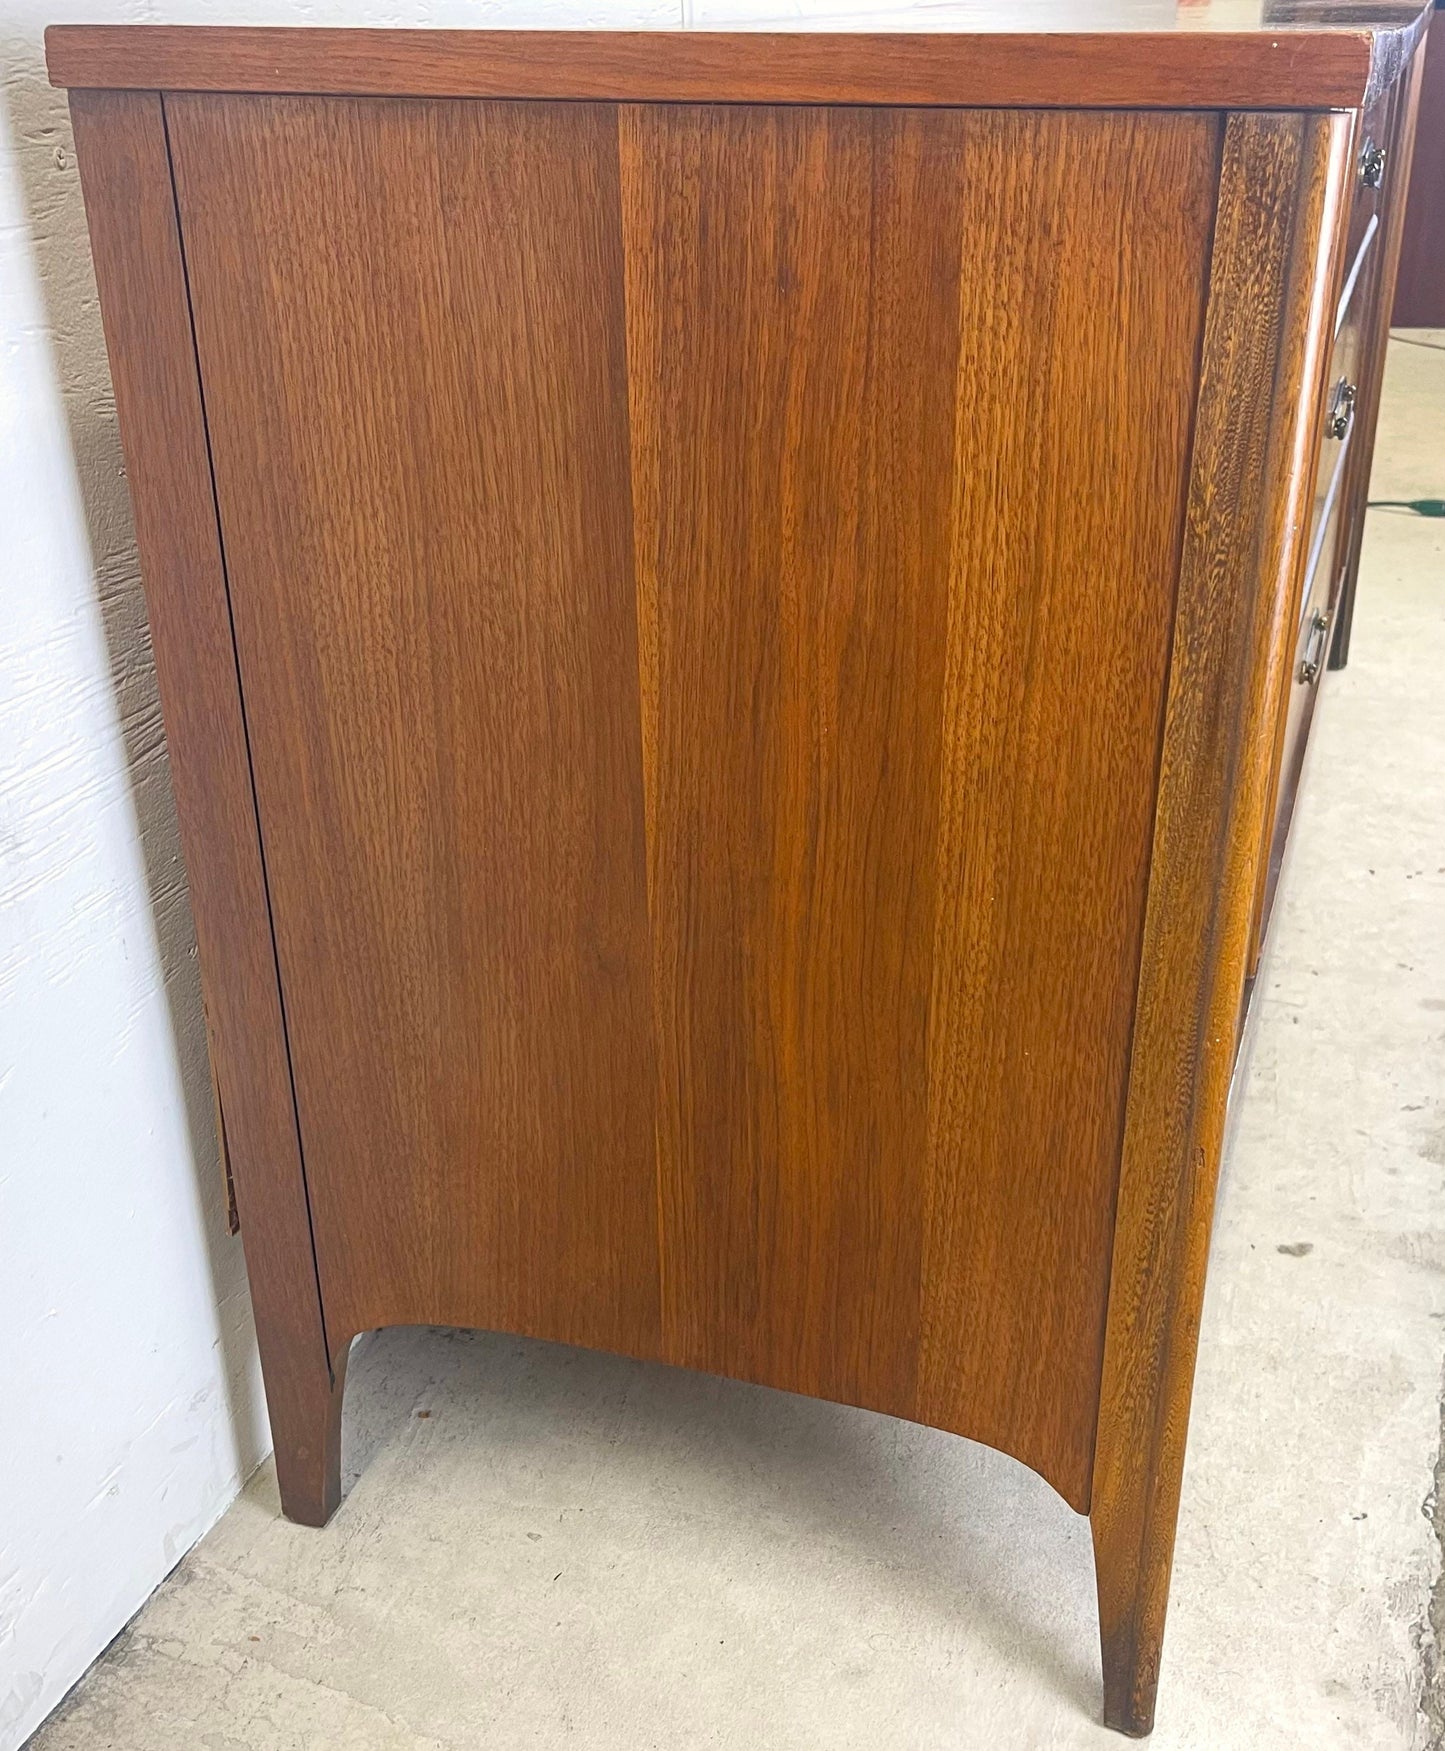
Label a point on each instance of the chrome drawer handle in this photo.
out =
(1342, 408)
(1372, 165)
(1309, 668)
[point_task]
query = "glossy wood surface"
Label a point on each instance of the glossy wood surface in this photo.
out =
(1272, 292)
(1202, 56)
(895, 854)
(139, 269)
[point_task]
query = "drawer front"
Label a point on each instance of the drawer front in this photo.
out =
(1307, 666)
(1340, 419)
(1326, 519)
(1310, 650)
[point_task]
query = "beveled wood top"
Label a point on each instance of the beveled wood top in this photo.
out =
(1197, 54)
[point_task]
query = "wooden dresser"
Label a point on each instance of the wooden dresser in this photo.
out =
(738, 617)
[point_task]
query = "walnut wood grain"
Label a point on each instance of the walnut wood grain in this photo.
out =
(409, 321)
(1291, 58)
(121, 145)
(897, 841)
(858, 1195)
(1068, 515)
(1269, 293)
(793, 312)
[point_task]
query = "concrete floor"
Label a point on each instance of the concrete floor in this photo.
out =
(544, 1548)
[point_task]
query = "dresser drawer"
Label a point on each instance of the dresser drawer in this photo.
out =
(1327, 515)
(1311, 643)
(1338, 417)
(1307, 666)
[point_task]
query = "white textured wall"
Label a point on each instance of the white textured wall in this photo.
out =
(129, 1403)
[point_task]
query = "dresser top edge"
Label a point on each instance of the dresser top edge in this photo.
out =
(1310, 56)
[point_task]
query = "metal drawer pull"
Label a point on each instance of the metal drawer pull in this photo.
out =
(1372, 165)
(1342, 408)
(1309, 668)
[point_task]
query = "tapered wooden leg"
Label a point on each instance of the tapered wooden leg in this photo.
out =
(306, 1431)
(1132, 1567)
(1267, 331)
(130, 201)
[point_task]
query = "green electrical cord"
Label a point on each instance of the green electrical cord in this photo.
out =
(1421, 507)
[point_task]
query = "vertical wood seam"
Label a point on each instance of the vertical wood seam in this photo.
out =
(246, 733)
